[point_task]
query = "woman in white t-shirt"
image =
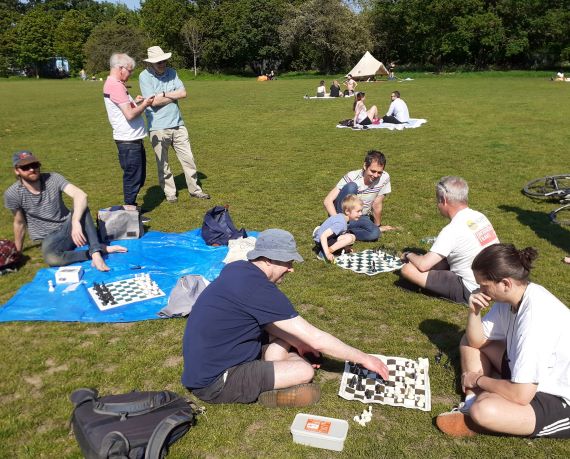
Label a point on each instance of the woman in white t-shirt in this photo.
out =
(525, 339)
(322, 90)
(361, 115)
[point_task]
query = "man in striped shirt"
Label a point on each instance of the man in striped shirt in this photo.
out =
(36, 202)
(371, 184)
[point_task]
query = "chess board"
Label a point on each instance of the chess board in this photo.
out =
(407, 385)
(370, 262)
(126, 291)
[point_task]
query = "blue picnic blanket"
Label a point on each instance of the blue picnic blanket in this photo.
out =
(165, 256)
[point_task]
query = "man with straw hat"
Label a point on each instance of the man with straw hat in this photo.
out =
(165, 124)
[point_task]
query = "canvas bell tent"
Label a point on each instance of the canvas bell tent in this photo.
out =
(368, 67)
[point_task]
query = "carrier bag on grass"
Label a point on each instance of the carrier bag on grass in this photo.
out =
(9, 256)
(119, 222)
(135, 425)
(218, 227)
(183, 296)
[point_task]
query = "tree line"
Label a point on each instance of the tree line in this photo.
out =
(294, 35)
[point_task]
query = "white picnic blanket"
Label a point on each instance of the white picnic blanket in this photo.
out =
(325, 97)
(412, 124)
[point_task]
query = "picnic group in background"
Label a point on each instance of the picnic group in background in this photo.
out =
(397, 113)
(245, 342)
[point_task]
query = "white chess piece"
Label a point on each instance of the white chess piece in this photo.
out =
(51, 287)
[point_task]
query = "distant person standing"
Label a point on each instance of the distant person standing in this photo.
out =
(165, 124)
(124, 114)
(398, 111)
(350, 85)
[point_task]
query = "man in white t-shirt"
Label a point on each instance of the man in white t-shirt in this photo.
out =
(128, 125)
(398, 111)
(446, 268)
(371, 184)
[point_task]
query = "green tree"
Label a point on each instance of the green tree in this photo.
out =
(163, 20)
(111, 37)
(9, 17)
(324, 34)
(70, 36)
(35, 38)
(243, 33)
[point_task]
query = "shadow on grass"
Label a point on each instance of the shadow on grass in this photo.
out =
(154, 194)
(446, 337)
(540, 223)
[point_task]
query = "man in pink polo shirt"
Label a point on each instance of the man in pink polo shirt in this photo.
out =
(125, 116)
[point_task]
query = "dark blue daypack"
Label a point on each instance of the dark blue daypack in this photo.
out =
(218, 227)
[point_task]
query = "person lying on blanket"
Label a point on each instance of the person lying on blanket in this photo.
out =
(398, 111)
(36, 202)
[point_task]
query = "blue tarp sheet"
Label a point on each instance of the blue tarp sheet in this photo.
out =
(165, 256)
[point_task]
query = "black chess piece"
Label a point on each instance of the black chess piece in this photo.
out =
(352, 382)
(369, 393)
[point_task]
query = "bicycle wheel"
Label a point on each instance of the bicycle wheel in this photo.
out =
(561, 216)
(549, 187)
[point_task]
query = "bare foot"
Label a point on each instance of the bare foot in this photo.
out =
(114, 249)
(566, 260)
(98, 263)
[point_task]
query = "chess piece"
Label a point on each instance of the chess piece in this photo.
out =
(51, 287)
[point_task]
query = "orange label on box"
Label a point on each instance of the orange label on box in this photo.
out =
(314, 425)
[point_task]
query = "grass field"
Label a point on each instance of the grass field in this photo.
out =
(273, 156)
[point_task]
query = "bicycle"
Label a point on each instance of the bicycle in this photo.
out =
(552, 187)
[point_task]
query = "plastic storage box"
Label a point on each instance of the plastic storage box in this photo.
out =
(319, 431)
(68, 274)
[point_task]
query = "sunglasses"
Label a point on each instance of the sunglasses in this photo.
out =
(27, 167)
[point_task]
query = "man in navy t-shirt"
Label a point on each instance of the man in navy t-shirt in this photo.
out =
(244, 340)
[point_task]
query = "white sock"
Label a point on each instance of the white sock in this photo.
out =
(469, 399)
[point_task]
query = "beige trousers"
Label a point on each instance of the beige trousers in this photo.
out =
(161, 141)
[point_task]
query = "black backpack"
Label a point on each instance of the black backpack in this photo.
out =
(218, 227)
(136, 425)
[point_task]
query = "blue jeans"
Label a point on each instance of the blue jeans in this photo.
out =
(364, 229)
(58, 247)
(132, 158)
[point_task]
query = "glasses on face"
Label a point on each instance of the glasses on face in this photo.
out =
(27, 167)
(128, 70)
(161, 62)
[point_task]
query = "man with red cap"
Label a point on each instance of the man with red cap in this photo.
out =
(36, 202)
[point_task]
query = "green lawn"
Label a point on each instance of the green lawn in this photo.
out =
(273, 156)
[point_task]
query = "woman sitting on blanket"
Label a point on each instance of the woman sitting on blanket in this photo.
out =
(322, 90)
(335, 89)
(361, 115)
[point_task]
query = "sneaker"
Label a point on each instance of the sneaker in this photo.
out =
(321, 256)
(145, 219)
(172, 200)
(315, 231)
(456, 424)
(300, 395)
(201, 195)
